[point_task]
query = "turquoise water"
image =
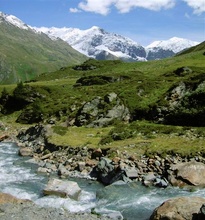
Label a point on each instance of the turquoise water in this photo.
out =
(132, 202)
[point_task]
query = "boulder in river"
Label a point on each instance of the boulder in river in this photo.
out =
(150, 179)
(62, 188)
(190, 173)
(181, 208)
(107, 173)
(7, 198)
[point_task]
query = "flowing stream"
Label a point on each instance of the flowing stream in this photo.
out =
(132, 202)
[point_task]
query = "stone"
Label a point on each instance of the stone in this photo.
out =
(43, 170)
(191, 173)
(4, 137)
(114, 215)
(81, 166)
(96, 153)
(7, 198)
(90, 163)
(110, 97)
(51, 167)
(62, 171)
(46, 156)
(107, 173)
(202, 210)
(181, 208)
(161, 182)
(62, 188)
(116, 160)
(100, 112)
(151, 179)
(131, 173)
(26, 151)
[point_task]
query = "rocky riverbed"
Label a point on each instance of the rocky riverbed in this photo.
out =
(173, 170)
(83, 161)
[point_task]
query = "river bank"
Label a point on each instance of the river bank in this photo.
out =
(18, 209)
(80, 161)
(73, 162)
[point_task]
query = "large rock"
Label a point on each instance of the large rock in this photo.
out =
(26, 151)
(62, 188)
(107, 173)
(100, 111)
(182, 208)
(7, 198)
(150, 179)
(191, 173)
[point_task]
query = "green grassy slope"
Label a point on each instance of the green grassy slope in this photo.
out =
(151, 78)
(25, 54)
(144, 86)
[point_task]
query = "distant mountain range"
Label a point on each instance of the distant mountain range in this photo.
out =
(25, 53)
(100, 44)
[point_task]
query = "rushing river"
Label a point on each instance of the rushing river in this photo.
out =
(132, 202)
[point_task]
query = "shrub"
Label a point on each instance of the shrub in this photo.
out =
(32, 114)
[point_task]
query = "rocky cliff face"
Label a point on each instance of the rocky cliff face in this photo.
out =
(159, 53)
(100, 112)
(184, 102)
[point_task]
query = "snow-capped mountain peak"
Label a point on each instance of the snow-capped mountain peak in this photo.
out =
(13, 20)
(174, 44)
(95, 41)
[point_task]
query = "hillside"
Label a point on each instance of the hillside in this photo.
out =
(24, 54)
(119, 103)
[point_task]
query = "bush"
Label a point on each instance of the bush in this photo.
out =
(31, 114)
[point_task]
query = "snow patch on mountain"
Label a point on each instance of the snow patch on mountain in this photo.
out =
(174, 44)
(13, 20)
(95, 40)
(100, 44)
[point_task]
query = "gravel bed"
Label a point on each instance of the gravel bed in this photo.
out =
(30, 211)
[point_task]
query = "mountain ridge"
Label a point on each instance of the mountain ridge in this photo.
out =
(97, 43)
(94, 40)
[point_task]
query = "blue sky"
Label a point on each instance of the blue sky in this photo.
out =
(141, 20)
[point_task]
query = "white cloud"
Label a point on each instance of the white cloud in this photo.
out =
(126, 5)
(100, 7)
(197, 5)
(74, 10)
(103, 7)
